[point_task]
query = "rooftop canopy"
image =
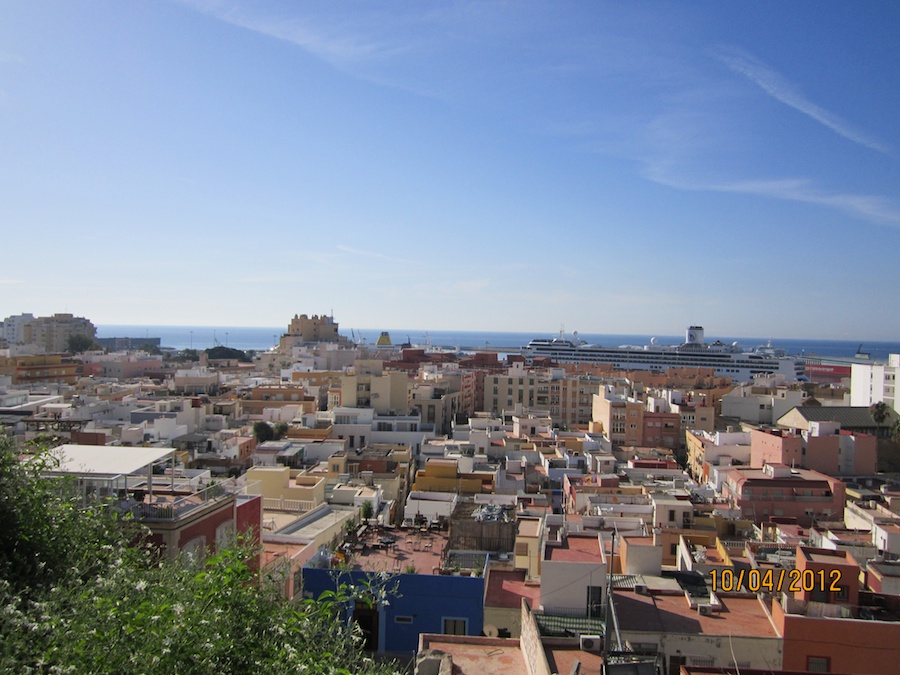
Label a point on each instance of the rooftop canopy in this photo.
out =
(106, 459)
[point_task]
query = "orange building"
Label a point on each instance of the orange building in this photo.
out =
(39, 368)
(830, 625)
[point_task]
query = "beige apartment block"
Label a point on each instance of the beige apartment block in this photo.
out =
(304, 329)
(387, 393)
(283, 488)
(49, 333)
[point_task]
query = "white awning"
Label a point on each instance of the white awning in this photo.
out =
(106, 459)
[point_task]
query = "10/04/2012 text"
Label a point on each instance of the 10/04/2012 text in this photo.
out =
(773, 580)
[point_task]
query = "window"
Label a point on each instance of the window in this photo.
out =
(455, 626)
(673, 549)
(671, 515)
(818, 664)
(403, 619)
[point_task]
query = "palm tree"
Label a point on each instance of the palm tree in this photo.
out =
(895, 431)
(880, 412)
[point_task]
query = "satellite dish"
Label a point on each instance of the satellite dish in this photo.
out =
(490, 630)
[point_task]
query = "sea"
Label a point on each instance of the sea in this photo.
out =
(263, 338)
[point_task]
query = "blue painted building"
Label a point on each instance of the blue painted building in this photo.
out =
(416, 603)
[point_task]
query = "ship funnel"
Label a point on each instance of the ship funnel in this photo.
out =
(694, 335)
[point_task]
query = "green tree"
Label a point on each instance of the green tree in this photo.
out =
(895, 431)
(78, 344)
(880, 412)
(263, 432)
(281, 430)
(80, 592)
(367, 510)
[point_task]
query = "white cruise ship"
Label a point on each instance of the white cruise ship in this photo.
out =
(729, 360)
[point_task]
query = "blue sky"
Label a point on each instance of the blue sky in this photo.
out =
(613, 167)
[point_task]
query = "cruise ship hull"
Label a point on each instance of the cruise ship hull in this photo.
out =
(726, 360)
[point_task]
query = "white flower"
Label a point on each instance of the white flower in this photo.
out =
(140, 586)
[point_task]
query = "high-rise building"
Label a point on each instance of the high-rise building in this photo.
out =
(49, 333)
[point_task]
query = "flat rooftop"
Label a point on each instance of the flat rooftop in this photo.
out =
(529, 527)
(312, 524)
(273, 521)
(506, 588)
(478, 655)
(106, 460)
(830, 559)
(395, 550)
(563, 660)
(274, 553)
(742, 616)
(575, 549)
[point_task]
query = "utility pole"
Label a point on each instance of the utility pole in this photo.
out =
(607, 623)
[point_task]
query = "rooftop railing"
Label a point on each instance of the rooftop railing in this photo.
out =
(171, 507)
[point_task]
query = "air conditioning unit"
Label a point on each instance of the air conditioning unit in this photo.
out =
(641, 589)
(591, 643)
(705, 609)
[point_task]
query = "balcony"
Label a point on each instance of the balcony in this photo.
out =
(170, 506)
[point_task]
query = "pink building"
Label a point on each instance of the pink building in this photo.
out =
(824, 448)
(779, 491)
(831, 625)
(775, 446)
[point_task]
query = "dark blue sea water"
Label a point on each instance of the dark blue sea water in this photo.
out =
(260, 338)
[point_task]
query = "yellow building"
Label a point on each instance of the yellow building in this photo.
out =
(304, 329)
(39, 368)
(284, 488)
(387, 393)
(528, 546)
(442, 475)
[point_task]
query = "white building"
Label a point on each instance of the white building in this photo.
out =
(751, 403)
(872, 383)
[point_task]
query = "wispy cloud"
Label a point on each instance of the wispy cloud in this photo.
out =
(779, 88)
(339, 44)
(869, 207)
(872, 208)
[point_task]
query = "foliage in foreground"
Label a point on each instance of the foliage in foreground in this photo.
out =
(77, 595)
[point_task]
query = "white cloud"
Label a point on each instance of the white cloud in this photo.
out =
(869, 207)
(779, 88)
(872, 208)
(343, 42)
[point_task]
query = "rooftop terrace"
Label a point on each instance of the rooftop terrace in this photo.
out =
(391, 549)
